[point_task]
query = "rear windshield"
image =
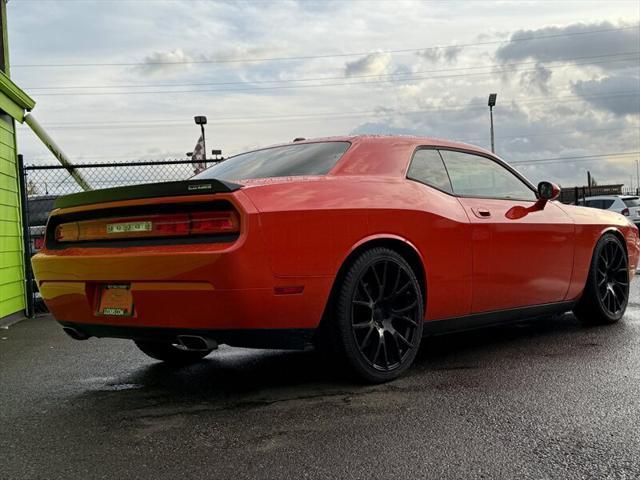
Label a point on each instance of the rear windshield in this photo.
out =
(632, 202)
(286, 161)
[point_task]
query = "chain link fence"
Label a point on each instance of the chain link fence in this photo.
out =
(44, 183)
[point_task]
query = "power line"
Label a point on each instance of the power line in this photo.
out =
(313, 57)
(340, 114)
(553, 133)
(339, 84)
(465, 140)
(544, 161)
(342, 77)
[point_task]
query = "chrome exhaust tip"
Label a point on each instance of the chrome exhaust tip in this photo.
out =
(75, 334)
(196, 343)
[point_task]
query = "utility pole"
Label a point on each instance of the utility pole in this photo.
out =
(637, 175)
(492, 103)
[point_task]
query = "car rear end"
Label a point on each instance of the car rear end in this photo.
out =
(159, 261)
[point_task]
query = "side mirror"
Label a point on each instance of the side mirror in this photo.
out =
(548, 191)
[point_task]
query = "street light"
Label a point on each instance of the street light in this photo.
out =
(202, 121)
(492, 103)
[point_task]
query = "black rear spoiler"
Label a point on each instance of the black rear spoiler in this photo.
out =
(147, 190)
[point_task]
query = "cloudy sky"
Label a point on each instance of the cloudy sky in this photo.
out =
(122, 79)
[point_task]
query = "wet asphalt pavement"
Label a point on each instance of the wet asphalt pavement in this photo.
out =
(548, 399)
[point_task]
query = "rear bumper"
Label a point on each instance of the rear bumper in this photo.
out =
(293, 339)
(193, 305)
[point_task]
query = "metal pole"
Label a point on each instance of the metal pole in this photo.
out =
(637, 175)
(493, 149)
(30, 120)
(26, 238)
(204, 144)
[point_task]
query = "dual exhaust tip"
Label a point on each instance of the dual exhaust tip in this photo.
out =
(194, 343)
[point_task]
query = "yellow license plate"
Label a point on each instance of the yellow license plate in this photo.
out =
(116, 300)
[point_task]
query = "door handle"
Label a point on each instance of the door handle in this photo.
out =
(481, 212)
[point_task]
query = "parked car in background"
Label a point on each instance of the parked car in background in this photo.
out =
(358, 245)
(627, 205)
(38, 209)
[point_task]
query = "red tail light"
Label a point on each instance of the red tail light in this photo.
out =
(149, 226)
(625, 212)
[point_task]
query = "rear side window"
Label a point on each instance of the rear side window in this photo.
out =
(427, 167)
(285, 161)
(606, 204)
(478, 176)
(632, 202)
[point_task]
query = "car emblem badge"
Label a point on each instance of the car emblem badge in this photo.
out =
(205, 186)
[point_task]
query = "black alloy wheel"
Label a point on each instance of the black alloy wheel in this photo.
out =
(606, 293)
(378, 319)
(385, 314)
(612, 277)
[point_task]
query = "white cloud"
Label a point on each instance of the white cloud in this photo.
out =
(619, 95)
(536, 79)
(572, 41)
(158, 62)
(566, 101)
(448, 54)
(372, 64)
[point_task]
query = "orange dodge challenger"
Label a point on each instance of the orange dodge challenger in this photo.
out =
(358, 244)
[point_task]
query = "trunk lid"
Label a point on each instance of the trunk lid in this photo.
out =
(147, 190)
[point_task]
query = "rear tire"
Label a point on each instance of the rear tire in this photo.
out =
(606, 292)
(170, 353)
(376, 321)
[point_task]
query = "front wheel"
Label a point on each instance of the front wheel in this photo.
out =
(606, 292)
(170, 353)
(377, 320)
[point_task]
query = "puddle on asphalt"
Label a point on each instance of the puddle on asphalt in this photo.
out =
(110, 384)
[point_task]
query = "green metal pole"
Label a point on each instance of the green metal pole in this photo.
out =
(30, 120)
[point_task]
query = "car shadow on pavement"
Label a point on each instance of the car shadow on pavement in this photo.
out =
(263, 376)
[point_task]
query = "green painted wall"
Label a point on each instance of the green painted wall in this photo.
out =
(13, 103)
(12, 298)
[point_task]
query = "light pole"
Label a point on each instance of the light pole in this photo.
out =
(637, 175)
(202, 121)
(492, 103)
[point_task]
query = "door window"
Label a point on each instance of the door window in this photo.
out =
(427, 167)
(477, 176)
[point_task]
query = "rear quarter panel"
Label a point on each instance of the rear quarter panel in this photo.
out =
(312, 225)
